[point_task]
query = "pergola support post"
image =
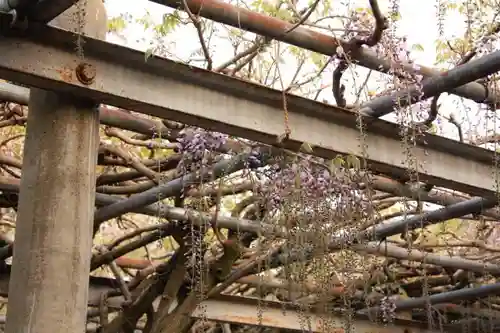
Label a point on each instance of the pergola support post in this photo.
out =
(48, 290)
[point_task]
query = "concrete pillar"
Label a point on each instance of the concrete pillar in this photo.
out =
(48, 289)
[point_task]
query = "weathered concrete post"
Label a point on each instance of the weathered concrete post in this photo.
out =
(48, 289)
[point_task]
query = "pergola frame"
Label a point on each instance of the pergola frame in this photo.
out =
(121, 77)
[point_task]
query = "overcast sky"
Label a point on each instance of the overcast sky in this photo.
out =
(419, 22)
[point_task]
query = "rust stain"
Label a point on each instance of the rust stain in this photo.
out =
(338, 291)
(126, 262)
(323, 327)
(66, 73)
(259, 23)
(85, 73)
(254, 320)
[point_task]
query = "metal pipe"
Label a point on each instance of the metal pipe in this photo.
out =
(11, 185)
(475, 205)
(399, 225)
(435, 196)
(472, 206)
(110, 117)
(378, 183)
(8, 184)
(445, 297)
(9, 5)
(474, 70)
(5, 6)
(169, 189)
(393, 251)
(261, 24)
(181, 214)
(42, 11)
(46, 10)
(382, 231)
(14, 93)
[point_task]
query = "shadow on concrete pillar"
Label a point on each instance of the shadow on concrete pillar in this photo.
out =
(49, 283)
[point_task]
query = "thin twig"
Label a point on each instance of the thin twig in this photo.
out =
(197, 24)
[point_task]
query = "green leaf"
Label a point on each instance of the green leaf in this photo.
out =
(306, 148)
(269, 8)
(146, 21)
(327, 5)
(284, 14)
(396, 16)
(452, 225)
(297, 52)
(144, 152)
(433, 129)
(451, 5)
(440, 45)
(335, 164)
(148, 53)
(236, 32)
(353, 162)
(116, 24)
(318, 59)
(169, 24)
(256, 5)
(417, 47)
(439, 59)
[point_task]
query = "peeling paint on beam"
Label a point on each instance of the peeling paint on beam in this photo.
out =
(170, 90)
(245, 311)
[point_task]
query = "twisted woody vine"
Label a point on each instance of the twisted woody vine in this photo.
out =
(282, 224)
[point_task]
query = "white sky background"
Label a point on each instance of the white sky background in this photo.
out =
(419, 24)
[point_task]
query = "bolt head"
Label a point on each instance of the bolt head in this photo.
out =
(85, 73)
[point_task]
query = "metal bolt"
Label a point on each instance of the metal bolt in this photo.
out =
(85, 73)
